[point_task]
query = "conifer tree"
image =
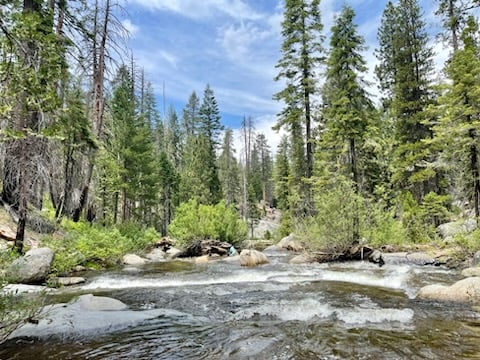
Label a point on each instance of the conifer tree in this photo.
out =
(190, 120)
(301, 55)
(228, 170)
(458, 129)
(282, 173)
(405, 71)
(32, 61)
(347, 107)
(173, 137)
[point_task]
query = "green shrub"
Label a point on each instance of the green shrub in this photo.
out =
(420, 220)
(88, 244)
(199, 222)
(470, 243)
(338, 211)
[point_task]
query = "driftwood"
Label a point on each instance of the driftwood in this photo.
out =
(355, 252)
(206, 247)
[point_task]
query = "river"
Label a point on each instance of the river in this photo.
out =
(277, 311)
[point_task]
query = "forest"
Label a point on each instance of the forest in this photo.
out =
(83, 139)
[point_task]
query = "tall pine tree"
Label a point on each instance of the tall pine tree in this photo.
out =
(301, 55)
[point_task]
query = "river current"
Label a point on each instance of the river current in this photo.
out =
(220, 310)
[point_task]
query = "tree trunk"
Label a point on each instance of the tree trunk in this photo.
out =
(475, 171)
(354, 170)
(99, 53)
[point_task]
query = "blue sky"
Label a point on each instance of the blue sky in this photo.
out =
(233, 45)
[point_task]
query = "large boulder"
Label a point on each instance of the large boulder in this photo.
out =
(133, 260)
(448, 230)
(32, 268)
(290, 243)
(415, 258)
(87, 315)
(250, 257)
(463, 291)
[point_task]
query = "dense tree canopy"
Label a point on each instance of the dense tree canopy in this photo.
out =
(85, 135)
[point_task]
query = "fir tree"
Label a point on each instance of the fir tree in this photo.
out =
(459, 114)
(301, 55)
(228, 170)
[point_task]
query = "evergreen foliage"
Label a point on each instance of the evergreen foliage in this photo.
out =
(302, 53)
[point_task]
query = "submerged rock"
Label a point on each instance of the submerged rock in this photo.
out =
(87, 315)
(32, 268)
(301, 259)
(464, 291)
(250, 257)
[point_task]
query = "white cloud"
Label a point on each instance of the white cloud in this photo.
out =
(237, 41)
(199, 9)
(131, 28)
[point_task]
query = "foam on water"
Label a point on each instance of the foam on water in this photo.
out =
(359, 316)
(309, 308)
(302, 310)
(125, 282)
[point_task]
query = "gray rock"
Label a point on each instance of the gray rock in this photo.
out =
(448, 230)
(463, 291)
(250, 257)
(156, 255)
(173, 253)
(417, 258)
(72, 280)
(33, 267)
(376, 257)
(301, 259)
(290, 243)
(469, 272)
(100, 303)
(134, 260)
(87, 316)
(476, 259)
(24, 288)
(265, 225)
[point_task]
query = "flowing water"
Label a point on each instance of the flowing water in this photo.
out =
(277, 311)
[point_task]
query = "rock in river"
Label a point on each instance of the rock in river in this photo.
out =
(250, 257)
(88, 315)
(464, 291)
(33, 267)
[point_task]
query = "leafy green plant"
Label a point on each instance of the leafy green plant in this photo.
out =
(87, 244)
(199, 222)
